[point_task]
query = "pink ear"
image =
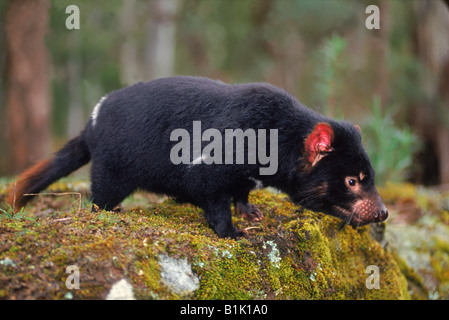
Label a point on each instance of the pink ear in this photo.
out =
(318, 142)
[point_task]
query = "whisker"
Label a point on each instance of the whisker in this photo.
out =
(351, 216)
(358, 224)
(309, 200)
(347, 220)
(309, 196)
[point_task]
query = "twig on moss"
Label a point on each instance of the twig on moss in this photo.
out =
(61, 220)
(59, 194)
(249, 228)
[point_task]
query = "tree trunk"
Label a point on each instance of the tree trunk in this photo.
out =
(130, 61)
(74, 71)
(443, 136)
(28, 98)
(382, 45)
(161, 39)
(431, 117)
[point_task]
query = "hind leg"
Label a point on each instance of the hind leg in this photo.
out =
(108, 190)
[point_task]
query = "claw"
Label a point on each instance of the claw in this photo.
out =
(249, 211)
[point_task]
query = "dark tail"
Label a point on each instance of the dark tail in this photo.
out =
(72, 156)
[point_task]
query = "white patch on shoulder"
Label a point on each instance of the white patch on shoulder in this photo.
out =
(97, 110)
(198, 160)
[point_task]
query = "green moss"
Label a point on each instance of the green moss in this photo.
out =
(291, 254)
(227, 274)
(336, 260)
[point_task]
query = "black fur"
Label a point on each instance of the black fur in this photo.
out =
(130, 148)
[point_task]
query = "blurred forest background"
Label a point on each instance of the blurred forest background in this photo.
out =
(393, 82)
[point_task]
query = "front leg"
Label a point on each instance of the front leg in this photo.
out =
(218, 215)
(249, 211)
(242, 206)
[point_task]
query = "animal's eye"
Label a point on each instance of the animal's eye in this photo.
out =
(351, 181)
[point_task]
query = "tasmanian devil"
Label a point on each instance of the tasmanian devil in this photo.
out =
(206, 142)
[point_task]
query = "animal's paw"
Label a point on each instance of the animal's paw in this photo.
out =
(232, 233)
(240, 234)
(249, 211)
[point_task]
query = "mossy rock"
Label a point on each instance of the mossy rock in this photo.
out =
(291, 254)
(418, 235)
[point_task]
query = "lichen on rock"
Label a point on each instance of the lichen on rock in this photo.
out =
(177, 275)
(418, 235)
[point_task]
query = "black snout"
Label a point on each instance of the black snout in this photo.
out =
(381, 215)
